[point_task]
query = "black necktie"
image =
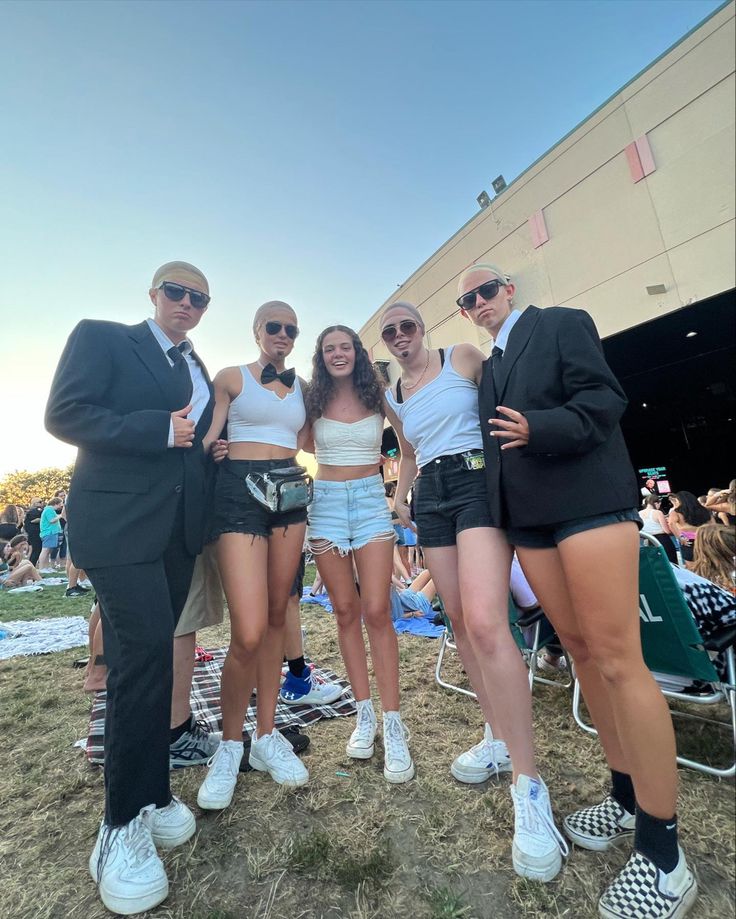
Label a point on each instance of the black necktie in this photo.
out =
(268, 375)
(181, 374)
(496, 357)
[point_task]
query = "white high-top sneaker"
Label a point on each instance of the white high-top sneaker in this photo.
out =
(362, 741)
(398, 766)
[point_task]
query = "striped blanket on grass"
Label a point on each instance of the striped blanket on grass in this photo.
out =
(206, 705)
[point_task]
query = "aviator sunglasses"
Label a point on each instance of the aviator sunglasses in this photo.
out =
(273, 328)
(407, 327)
(488, 291)
(177, 292)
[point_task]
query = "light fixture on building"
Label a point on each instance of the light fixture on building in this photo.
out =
(483, 199)
(499, 183)
(691, 335)
(655, 289)
(643, 405)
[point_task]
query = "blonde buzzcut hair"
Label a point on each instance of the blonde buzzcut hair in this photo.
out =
(268, 307)
(484, 266)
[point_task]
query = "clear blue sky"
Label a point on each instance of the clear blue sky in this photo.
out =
(315, 152)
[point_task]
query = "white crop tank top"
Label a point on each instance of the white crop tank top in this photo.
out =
(258, 415)
(345, 443)
(442, 418)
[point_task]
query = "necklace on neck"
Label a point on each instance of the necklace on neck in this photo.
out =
(421, 375)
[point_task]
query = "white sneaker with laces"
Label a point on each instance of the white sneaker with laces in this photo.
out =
(129, 874)
(273, 754)
(362, 741)
(538, 845)
(487, 758)
(398, 766)
(170, 826)
(558, 666)
(216, 792)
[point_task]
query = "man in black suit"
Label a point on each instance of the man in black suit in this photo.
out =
(137, 401)
(561, 482)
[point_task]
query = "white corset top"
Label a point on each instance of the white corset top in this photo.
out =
(344, 443)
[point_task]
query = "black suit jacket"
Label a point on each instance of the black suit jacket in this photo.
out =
(112, 397)
(576, 463)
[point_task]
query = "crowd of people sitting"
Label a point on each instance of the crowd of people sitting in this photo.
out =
(33, 543)
(173, 463)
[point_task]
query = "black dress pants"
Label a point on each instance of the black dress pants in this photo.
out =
(140, 605)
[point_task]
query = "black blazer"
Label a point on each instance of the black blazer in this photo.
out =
(576, 463)
(112, 397)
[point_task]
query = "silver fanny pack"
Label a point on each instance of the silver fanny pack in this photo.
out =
(281, 490)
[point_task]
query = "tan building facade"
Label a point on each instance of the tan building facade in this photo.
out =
(640, 195)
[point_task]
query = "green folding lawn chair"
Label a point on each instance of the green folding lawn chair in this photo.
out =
(672, 645)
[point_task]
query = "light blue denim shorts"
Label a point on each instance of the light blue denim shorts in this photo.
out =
(348, 515)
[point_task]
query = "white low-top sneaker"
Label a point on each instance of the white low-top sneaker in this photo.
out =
(273, 754)
(216, 792)
(171, 825)
(538, 845)
(125, 865)
(643, 891)
(479, 763)
(398, 766)
(362, 741)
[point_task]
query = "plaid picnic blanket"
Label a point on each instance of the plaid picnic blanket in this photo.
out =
(206, 705)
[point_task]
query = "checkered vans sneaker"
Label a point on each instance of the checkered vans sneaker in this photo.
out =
(642, 891)
(601, 826)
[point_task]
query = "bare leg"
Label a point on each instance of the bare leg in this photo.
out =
(442, 563)
(242, 560)
(374, 563)
(181, 708)
(601, 571)
(337, 574)
(284, 551)
(95, 677)
(420, 581)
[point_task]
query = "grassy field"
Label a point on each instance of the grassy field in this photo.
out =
(345, 846)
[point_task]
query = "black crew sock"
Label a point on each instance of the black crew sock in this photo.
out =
(296, 666)
(657, 839)
(622, 790)
(176, 733)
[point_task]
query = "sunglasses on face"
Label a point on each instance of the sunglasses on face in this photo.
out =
(177, 292)
(273, 328)
(407, 327)
(488, 291)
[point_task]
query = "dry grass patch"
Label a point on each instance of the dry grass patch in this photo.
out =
(343, 847)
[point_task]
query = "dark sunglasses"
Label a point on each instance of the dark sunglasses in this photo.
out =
(177, 292)
(488, 291)
(273, 328)
(406, 327)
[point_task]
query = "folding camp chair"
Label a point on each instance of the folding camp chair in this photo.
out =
(517, 622)
(673, 645)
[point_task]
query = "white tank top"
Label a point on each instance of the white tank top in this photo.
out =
(651, 527)
(348, 443)
(258, 415)
(442, 418)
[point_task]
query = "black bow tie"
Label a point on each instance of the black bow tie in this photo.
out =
(268, 375)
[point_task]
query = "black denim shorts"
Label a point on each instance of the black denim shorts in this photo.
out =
(237, 511)
(551, 535)
(448, 498)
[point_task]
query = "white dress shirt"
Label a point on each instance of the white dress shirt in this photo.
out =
(503, 335)
(200, 389)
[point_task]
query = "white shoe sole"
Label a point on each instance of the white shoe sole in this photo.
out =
(174, 836)
(128, 906)
(475, 778)
(360, 752)
(683, 907)
(398, 778)
(597, 845)
(288, 781)
(212, 803)
(543, 873)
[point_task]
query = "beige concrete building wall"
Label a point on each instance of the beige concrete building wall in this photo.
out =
(609, 236)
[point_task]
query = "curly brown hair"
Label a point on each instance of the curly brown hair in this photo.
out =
(714, 554)
(322, 385)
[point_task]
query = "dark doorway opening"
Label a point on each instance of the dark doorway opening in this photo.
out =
(682, 392)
